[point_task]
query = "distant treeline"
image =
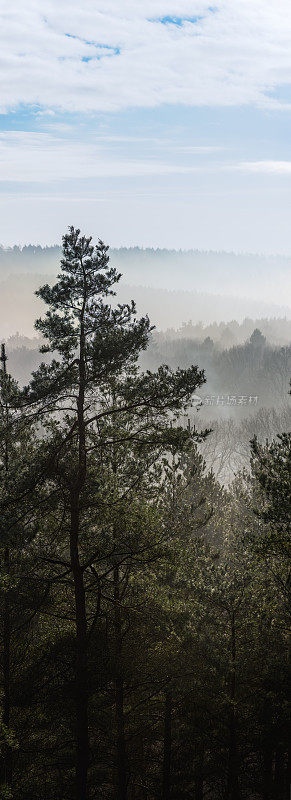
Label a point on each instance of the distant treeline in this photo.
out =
(251, 368)
(29, 253)
(29, 258)
(227, 334)
(254, 367)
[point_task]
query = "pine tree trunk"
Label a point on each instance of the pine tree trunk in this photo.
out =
(81, 679)
(81, 687)
(232, 777)
(121, 765)
(166, 785)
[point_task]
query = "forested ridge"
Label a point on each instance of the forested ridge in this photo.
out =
(144, 606)
(172, 286)
(129, 257)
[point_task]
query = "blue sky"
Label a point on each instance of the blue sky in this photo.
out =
(153, 123)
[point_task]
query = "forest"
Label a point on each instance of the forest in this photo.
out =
(145, 578)
(247, 370)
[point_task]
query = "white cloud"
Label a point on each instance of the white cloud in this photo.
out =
(108, 54)
(268, 167)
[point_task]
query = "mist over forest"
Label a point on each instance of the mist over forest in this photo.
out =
(229, 274)
(172, 287)
(242, 342)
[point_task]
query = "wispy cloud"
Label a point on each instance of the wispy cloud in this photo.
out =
(109, 55)
(38, 157)
(267, 166)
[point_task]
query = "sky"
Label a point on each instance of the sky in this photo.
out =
(161, 123)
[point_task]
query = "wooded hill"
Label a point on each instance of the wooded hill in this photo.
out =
(173, 286)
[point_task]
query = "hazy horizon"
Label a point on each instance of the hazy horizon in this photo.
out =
(172, 286)
(140, 246)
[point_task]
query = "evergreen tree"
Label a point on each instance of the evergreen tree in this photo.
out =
(95, 342)
(271, 470)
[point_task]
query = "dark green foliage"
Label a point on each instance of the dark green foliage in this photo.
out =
(271, 465)
(147, 636)
(271, 470)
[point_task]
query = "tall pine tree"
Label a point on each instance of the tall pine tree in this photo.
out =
(94, 343)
